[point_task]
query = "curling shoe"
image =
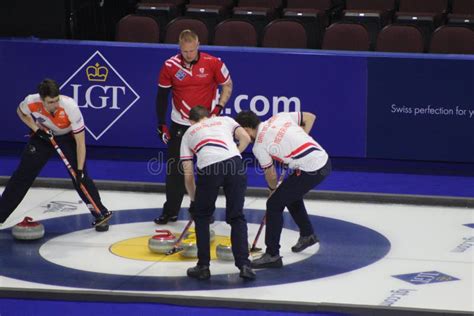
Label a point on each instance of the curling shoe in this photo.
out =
(267, 261)
(102, 218)
(304, 242)
(199, 272)
(164, 219)
(102, 227)
(247, 273)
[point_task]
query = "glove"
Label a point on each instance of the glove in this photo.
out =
(192, 209)
(217, 110)
(80, 178)
(43, 135)
(164, 133)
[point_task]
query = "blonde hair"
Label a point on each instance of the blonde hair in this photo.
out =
(188, 36)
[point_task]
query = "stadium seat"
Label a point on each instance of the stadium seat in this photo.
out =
(452, 40)
(234, 32)
(314, 15)
(426, 14)
(210, 11)
(163, 11)
(285, 33)
(374, 14)
(258, 12)
(346, 36)
(400, 38)
(462, 13)
(136, 28)
(174, 28)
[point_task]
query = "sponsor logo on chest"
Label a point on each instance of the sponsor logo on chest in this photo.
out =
(202, 73)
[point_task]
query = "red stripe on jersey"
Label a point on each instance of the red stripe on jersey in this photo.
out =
(207, 140)
(300, 149)
(277, 158)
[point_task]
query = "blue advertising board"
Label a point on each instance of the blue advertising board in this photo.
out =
(115, 85)
(421, 109)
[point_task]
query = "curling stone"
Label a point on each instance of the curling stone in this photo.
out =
(224, 251)
(28, 230)
(212, 235)
(162, 242)
(192, 234)
(189, 247)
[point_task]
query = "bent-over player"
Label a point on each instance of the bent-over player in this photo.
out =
(219, 163)
(284, 138)
(49, 114)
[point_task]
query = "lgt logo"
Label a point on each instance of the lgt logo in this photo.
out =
(425, 277)
(101, 92)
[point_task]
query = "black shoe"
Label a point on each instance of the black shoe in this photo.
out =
(199, 272)
(102, 219)
(304, 242)
(247, 273)
(267, 261)
(102, 227)
(164, 219)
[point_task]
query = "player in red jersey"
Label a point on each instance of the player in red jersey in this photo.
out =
(193, 77)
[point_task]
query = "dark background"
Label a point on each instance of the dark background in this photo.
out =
(63, 19)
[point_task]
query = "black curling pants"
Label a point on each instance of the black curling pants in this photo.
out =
(290, 194)
(35, 155)
(175, 188)
(231, 175)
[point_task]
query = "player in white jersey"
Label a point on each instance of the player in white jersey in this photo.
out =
(284, 138)
(48, 110)
(219, 163)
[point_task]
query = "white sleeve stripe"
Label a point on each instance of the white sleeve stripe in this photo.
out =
(77, 131)
(181, 67)
(267, 165)
(227, 80)
(186, 105)
(184, 114)
(164, 86)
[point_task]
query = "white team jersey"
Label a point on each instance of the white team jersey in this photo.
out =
(211, 140)
(66, 119)
(282, 138)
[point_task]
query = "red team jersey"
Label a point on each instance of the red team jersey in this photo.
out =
(192, 86)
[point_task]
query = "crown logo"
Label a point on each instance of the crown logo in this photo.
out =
(97, 73)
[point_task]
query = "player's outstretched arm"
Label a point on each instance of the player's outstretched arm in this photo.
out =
(80, 139)
(188, 168)
(271, 177)
(243, 138)
(226, 92)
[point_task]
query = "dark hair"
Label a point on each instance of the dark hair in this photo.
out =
(248, 119)
(48, 88)
(197, 113)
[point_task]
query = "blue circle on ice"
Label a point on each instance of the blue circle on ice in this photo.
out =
(344, 247)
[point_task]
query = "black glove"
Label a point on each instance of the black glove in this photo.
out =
(43, 135)
(80, 178)
(192, 208)
(164, 133)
